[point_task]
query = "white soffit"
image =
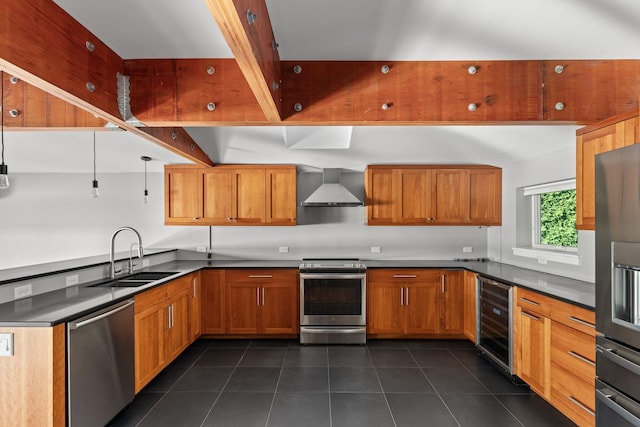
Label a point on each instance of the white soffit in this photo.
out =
(317, 137)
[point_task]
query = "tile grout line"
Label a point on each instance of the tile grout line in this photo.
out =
(435, 389)
(273, 398)
(225, 384)
(164, 394)
(384, 395)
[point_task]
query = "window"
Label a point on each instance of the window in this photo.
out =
(553, 224)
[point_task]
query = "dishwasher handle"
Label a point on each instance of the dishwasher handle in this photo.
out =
(85, 322)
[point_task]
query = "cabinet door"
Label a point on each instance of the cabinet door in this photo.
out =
(470, 305)
(195, 307)
(381, 197)
(248, 201)
(213, 305)
(182, 201)
(588, 145)
(533, 350)
(216, 195)
(484, 196)
(448, 196)
(413, 201)
(243, 302)
(150, 327)
(281, 196)
(452, 303)
(178, 336)
(421, 314)
(385, 308)
(279, 308)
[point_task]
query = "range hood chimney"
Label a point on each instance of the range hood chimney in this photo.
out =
(332, 192)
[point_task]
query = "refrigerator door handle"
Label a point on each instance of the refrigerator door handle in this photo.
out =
(609, 353)
(624, 407)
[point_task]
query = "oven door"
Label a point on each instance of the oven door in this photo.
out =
(328, 299)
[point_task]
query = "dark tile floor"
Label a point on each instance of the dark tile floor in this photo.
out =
(245, 383)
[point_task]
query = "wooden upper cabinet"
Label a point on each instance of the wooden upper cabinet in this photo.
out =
(230, 195)
(381, 196)
(433, 195)
(248, 196)
(281, 196)
(181, 200)
(613, 133)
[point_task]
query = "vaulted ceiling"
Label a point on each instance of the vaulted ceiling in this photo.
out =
(421, 41)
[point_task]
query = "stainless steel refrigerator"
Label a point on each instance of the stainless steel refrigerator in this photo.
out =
(618, 287)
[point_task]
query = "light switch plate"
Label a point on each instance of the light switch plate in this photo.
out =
(376, 249)
(467, 249)
(283, 249)
(72, 280)
(6, 344)
(22, 291)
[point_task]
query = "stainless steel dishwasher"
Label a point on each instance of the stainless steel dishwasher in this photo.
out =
(100, 365)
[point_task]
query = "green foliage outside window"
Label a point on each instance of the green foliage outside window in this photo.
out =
(558, 219)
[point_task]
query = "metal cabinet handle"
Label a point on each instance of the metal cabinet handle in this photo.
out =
(530, 316)
(195, 291)
(258, 296)
(582, 322)
(401, 296)
(529, 301)
(581, 405)
(630, 411)
(582, 358)
(407, 298)
(260, 276)
(442, 281)
(610, 353)
(263, 296)
(404, 276)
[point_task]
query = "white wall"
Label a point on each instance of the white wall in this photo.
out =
(547, 168)
(50, 217)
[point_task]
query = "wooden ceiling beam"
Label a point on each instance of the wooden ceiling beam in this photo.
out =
(43, 45)
(246, 26)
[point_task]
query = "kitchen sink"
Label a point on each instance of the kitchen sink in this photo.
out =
(135, 280)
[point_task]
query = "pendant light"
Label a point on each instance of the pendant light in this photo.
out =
(4, 170)
(145, 159)
(94, 186)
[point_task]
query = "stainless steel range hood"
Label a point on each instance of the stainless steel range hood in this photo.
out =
(332, 192)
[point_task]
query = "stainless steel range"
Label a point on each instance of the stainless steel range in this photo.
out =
(333, 301)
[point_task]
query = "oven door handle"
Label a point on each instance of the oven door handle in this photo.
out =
(621, 405)
(332, 276)
(340, 330)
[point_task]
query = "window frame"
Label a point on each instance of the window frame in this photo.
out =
(535, 191)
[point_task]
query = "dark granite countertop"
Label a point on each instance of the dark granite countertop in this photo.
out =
(67, 304)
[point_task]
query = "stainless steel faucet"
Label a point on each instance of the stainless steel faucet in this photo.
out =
(113, 240)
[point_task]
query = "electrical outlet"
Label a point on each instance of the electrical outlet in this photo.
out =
(283, 249)
(201, 249)
(145, 263)
(376, 249)
(22, 291)
(6, 344)
(72, 280)
(467, 249)
(542, 260)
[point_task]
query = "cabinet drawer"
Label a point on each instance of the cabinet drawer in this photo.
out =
(573, 316)
(149, 298)
(572, 396)
(533, 301)
(261, 275)
(403, 275)
(574, 351)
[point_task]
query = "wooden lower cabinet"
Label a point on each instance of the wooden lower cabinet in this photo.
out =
(161, 323)
(213, 302)
(195, 307)
(533, 345)
(555, 353)
(262, 302)
(33, 380)
(414, 302)
(470, 297)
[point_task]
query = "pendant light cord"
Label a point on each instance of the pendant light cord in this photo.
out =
(94, 155)
(2, 120)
